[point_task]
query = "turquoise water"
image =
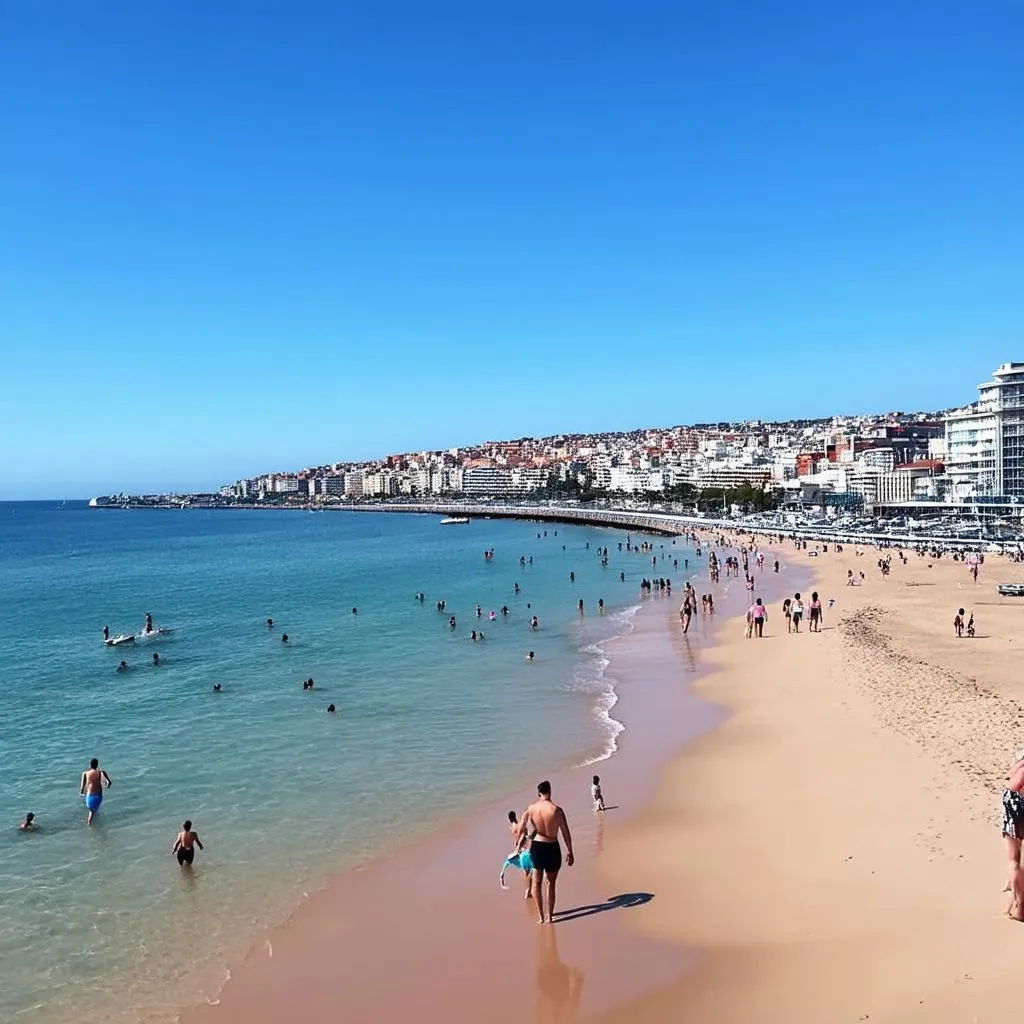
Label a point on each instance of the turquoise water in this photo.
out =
(101, 921)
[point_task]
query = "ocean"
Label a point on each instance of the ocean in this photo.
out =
(100, 921)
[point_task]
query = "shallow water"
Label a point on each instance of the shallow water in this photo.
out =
(102, 920)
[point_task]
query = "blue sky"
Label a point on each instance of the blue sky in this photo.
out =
(246, 236)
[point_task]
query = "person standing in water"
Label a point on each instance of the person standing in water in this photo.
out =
(92, 787)
(185, 845)
(148, 627)
(547, 820)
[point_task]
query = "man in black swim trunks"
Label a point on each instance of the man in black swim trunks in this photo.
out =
(546, 819)
(185, 845)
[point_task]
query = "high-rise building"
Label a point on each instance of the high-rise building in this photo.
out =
(985, 440)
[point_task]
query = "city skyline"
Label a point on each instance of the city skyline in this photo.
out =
(277, 236)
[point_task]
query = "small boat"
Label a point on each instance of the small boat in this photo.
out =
(1011, 589)
(121, 638)
(454, 521)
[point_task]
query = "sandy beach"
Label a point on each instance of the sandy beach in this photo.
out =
(805, 828)
(833, 848)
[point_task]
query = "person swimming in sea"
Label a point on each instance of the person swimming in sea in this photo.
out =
(270, 623)
(472, 636)
(355, 611)
(284, 638)
(531, 656)
(156, 658)
(534, 624)
(331, 709)
(185, 845)
(217, 688)
(123, 667)
(452, 623)
(29, 824)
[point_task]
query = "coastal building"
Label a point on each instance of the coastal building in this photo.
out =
(487, 482)
(985, 440)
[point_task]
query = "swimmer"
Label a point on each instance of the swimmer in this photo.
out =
(29, 824)
(106, 633)
(452, 623)
(531, 656)
(600, 605)
(479, 611)
(284, 638)
(216, 688)
(330, 709)
(270, 623)
(148, 627)
(355, 611)
(572, 577)
(622, 577)
(492, 616)
(579, 606)
(184, 846)
(156, 658)
(92, 787)
(123, 667)
(472, 636)
(534, 624)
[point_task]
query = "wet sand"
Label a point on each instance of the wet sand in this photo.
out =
(833, 848)
(427, 933)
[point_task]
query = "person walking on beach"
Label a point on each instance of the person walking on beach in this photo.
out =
(1013, 834)
(814, 626)
(958, 623)
(92, 787)
(758, 616)
(596, 795)
(185, 845)
(798, 612)
(547, 819)
(519, 840)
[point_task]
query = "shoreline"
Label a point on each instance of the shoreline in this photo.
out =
(650, 693)
(665, 524)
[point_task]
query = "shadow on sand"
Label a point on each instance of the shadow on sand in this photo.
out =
(623, 902)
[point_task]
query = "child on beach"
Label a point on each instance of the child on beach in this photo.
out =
(519, 857)
(970, 625)
(785, 611)
(958, 623)
(596, 795)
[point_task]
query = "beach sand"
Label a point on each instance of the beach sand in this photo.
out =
(833, 848)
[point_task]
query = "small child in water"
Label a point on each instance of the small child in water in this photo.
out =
(596, 795)
(28, 825)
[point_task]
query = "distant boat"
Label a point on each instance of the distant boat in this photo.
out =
(454, 521)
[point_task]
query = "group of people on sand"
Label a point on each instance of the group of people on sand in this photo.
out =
(93, 783)
(536, 848)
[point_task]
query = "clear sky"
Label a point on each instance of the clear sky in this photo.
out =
(241, 236)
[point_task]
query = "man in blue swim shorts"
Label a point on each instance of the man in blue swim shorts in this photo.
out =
(92, 787)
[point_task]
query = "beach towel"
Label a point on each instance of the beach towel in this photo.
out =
(522, 860)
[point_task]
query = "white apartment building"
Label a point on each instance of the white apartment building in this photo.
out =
(354, 484)
(985, 440)
(487, 482)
